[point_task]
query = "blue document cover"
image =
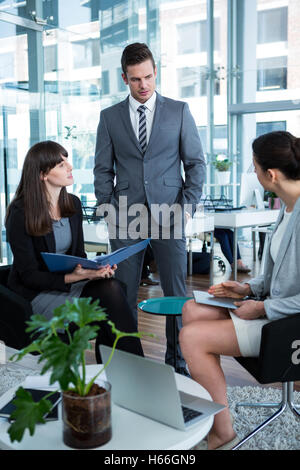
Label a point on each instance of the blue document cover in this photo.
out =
(65, 263)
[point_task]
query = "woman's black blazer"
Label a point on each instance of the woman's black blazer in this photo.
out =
(29, 274)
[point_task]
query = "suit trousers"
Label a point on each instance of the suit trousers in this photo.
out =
(170, 256)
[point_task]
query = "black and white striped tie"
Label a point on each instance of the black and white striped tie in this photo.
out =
(142, 128)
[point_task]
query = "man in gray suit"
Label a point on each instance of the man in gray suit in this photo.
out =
(143, 141)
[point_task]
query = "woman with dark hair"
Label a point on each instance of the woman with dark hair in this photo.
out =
(209, 332)
(44, 217)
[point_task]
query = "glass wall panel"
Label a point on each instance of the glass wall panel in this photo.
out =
(276, 52)
(72, 92)
(55, 82)
(17, 108)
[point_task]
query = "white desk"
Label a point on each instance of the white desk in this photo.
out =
(193, 229)
(242, 219)
(130, 430)
(96, 237)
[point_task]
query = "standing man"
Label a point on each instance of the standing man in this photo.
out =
(142, 141)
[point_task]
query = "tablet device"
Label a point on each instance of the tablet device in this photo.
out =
(202, 297)
(37, 395)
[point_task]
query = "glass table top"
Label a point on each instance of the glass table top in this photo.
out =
(163, 305)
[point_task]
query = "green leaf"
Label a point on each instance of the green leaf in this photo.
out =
(63, 358)
(81, 312)
(84, 312)
(121, 334)
(37, 322)
(44, 327)
(33, 347)
(27, 414)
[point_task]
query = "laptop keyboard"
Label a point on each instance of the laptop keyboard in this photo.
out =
(189, 414)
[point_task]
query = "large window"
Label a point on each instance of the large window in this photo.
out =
(55, 78)
(265, 89)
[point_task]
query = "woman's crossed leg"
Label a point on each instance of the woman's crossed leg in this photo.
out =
(207, 333)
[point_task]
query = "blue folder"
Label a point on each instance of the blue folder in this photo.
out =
(66, 263)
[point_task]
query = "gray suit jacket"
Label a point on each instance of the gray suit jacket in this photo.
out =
(281, 280)
(155, 177)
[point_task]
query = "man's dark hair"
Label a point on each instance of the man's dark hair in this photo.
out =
(136, 53)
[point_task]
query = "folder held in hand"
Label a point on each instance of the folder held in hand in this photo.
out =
(66, 263)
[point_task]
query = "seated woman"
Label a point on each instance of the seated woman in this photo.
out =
(43, 217)
(209, 332)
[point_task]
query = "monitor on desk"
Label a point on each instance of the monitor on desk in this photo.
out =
(252, 192)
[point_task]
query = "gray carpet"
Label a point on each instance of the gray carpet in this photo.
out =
(282, 434)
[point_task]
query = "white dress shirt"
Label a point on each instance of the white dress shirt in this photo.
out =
(149, 112)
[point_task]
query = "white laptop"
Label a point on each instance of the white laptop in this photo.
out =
(149, 388)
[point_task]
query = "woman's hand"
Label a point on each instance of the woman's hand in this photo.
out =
(80, 274)
(249, 309)
(233, 289)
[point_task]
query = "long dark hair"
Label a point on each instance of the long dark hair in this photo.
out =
(280, 150)
(31, 191)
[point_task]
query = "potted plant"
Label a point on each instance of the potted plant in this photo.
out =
(86, 406)
(222, 165)
(273, 200)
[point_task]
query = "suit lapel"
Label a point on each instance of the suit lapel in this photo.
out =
(156, 120)
(125, 115)
(74, 230)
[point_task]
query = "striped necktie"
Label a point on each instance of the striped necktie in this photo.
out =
(142, 128)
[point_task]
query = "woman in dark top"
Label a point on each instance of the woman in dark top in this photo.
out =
(43, 217)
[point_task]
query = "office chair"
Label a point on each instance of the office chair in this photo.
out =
(14, 312)
(278, 361)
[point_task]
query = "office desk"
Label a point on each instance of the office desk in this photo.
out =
(95, 237)
(194, 228)
(242, 219)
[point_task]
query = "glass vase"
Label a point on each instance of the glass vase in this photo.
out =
(87, 420)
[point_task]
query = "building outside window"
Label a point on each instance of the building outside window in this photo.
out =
(86, 53)
(272, 74)
(272, 25)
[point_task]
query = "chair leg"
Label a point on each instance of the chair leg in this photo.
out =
(261, 426)
(287, 400)
(266, 405)
(291, 403)
(258, 405)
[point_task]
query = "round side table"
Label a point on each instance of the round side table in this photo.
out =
(171, 306)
